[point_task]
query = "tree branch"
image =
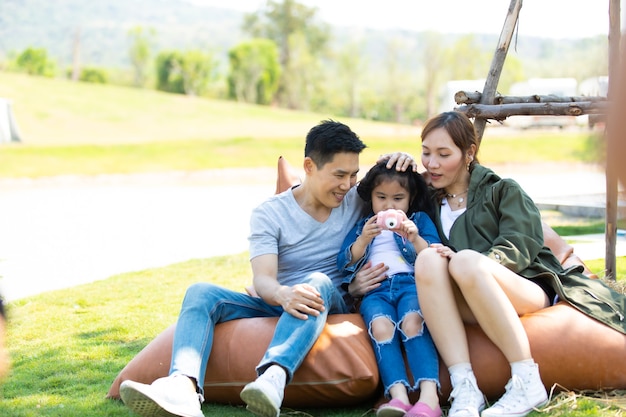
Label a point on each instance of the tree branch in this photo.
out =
(502, 111)
(468, 97)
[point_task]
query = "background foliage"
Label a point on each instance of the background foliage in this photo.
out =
(389, 75)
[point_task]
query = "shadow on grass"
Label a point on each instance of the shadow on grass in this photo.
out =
(68, 380)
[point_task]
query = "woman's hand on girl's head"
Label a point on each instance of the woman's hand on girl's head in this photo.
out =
(404, 161)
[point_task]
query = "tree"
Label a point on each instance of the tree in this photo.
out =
(433, 63)
(351, 66)
(185, 73)
(94, 75)
(34, 61)
(466, 60)
(254, 71)
(398, 83)
(299, 36)
(141, 43)
(198, 70)
(168, 76)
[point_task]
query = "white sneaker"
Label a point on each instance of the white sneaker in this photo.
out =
(467, 399)
(263, 396)
(166, 397)
(521, 397)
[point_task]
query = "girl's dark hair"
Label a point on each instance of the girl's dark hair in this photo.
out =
(411, 181)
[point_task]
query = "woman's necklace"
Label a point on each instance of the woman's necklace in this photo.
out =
(460, 200)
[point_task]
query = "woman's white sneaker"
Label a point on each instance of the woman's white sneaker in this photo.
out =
(467, 399)
(521, 397)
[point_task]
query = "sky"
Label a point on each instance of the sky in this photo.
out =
(544, 18)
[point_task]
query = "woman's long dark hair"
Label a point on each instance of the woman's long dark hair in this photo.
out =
(463, 134)
(413, 182)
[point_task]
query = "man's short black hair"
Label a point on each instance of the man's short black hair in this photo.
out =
(329, 138)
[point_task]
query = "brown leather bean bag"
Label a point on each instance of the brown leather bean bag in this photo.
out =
(572, 350)
(339, 370)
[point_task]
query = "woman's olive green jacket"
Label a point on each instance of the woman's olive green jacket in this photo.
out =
(503, 223)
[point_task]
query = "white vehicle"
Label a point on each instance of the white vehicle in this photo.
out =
(594, 87)
(563, 87)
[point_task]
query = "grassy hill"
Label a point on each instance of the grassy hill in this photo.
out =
(81, 128)
(56, 112)
(71, 127)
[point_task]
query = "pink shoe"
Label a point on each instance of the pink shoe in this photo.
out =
(394, 408)
(423, 410)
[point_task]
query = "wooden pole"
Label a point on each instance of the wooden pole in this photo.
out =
(491, 83)
(611, 175)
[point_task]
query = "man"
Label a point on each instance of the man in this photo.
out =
(294, 240)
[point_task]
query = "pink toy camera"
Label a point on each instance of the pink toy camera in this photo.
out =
(390, 219)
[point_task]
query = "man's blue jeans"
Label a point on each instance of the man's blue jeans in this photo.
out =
(394, 299)
(207, 304)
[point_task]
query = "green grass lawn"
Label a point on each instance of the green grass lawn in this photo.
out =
(34, 161)
(68, 345)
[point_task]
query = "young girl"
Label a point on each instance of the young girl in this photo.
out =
(391, 311)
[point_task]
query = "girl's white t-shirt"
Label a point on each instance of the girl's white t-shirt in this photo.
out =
(385, 250)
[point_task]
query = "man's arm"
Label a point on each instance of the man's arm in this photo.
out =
(300, 300)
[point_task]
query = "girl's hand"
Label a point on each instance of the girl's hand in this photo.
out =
(408, 230)
(442, 250)
(370, 230)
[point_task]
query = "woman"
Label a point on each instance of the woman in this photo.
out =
(490, 269)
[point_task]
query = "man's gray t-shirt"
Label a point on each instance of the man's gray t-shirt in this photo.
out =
(279, 226)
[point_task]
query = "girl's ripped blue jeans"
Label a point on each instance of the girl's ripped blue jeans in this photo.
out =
(395, 298)
(206, 305)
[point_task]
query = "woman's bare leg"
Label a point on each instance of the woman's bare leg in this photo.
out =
(497, 297)
(439, 307)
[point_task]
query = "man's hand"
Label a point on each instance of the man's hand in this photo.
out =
(368, 278)
(301, 300)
